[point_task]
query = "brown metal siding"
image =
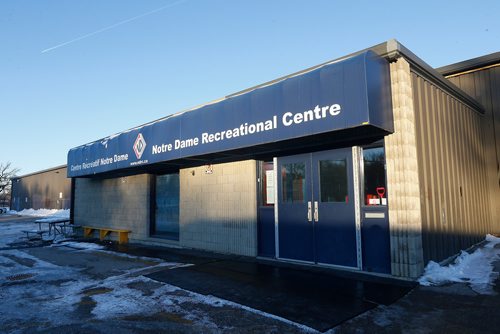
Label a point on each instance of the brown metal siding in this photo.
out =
(452, 172)
(484, 86)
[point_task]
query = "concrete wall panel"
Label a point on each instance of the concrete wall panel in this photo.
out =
(218, 212)
(119, 202)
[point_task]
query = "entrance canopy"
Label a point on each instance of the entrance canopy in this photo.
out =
(340, 98)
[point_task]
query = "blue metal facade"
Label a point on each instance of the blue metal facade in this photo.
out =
(348, 94)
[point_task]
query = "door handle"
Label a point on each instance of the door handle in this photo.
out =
(316, 213)
(309, 211)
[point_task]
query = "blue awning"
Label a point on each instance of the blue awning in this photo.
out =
(348, 94)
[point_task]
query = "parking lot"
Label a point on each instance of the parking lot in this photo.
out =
(74, 286)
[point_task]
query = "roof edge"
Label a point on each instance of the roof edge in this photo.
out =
(471, 64)
(39, 172)
(395, 49)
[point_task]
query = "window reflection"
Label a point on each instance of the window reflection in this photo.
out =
(294, 183)
(333, 181)
(167, 206)
(374, 173)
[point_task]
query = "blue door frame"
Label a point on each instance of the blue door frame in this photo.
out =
(316, 222)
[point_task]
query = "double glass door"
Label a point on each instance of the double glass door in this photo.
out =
(316, 208)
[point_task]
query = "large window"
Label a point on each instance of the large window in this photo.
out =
(374, 173)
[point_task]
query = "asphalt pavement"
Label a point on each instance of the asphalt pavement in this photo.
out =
(77, 287)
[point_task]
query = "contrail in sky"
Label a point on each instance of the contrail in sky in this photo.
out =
(113, 26)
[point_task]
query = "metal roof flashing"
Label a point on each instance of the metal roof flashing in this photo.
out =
(474, 64)
(394, 50)
(52, 169)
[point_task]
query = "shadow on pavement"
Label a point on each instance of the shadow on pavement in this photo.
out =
(320, 299)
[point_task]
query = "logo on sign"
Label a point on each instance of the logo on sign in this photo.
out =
(139, 146)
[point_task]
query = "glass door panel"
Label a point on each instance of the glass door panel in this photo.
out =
(166, 223)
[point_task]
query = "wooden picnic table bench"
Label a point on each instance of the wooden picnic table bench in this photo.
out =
(104, 231)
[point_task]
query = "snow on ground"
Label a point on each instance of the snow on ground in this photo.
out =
(476, 269)
(53, 213)
(34, 291)
(60, 292)
(80, 245)
(12, 232)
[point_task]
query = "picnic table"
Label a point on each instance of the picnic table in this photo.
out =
(56, 225)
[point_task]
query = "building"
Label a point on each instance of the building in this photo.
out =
(372, 162)
(46, 189)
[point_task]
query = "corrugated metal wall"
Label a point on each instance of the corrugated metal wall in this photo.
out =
(49, 189)
(452, 171)
(484, 86)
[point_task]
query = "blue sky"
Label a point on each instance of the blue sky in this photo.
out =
(119, 70)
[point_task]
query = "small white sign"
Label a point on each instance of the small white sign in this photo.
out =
(374, 215)
(269, 187)
(374, 201)
(209, 169)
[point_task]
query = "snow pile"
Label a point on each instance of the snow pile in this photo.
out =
(54, 213)
(81, 245)
(475, 269)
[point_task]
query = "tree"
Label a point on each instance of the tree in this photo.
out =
(6, 173)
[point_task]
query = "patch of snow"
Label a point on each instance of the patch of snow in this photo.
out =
(80, 245)
(492, 241)
(12, 232)
(39, 288)
(123, 301)
(53, 213)
(217, 302)
(476, 269)
(51, 219)
(102, 249)
(145, 258)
